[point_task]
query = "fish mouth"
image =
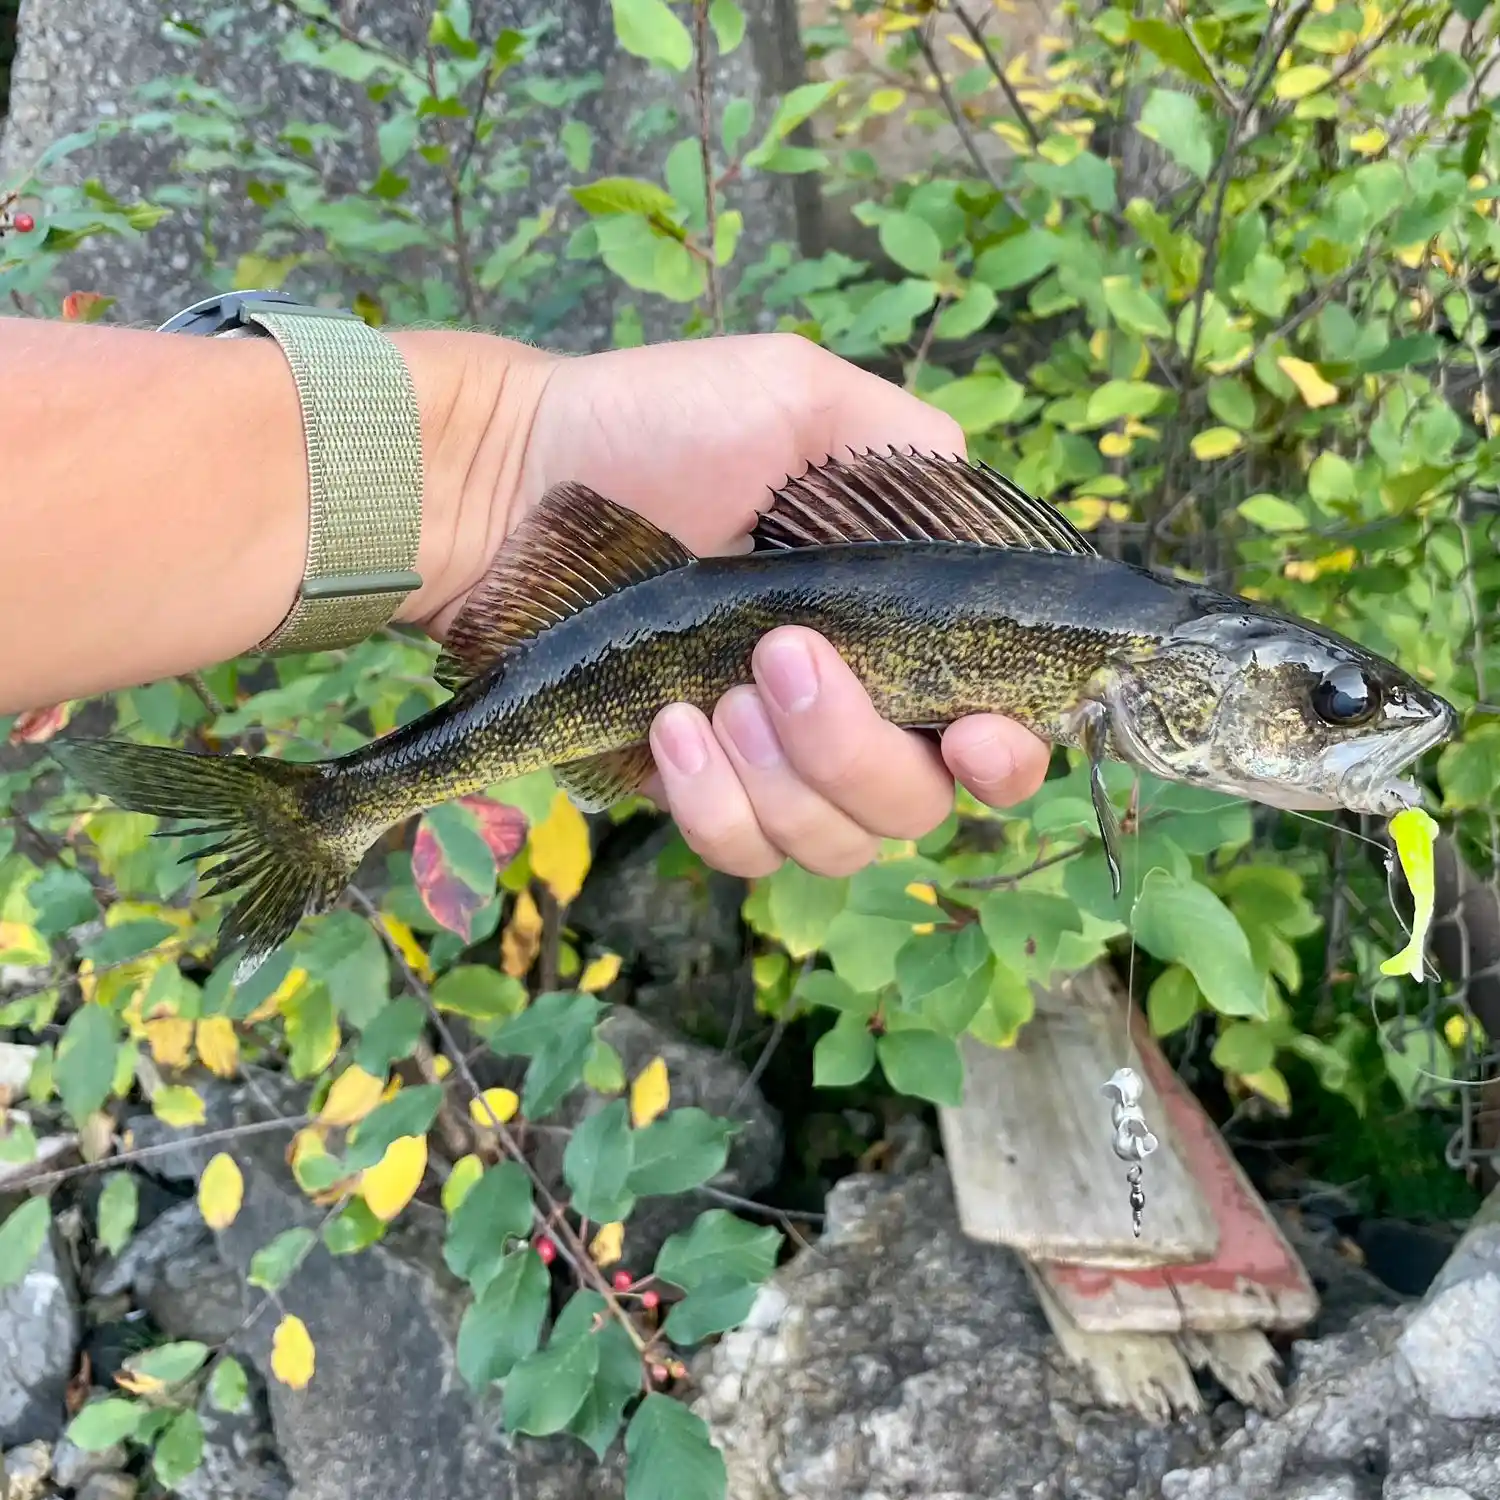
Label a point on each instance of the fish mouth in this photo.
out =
(1371, 785)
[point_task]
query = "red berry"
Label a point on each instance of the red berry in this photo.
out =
(650, 1301)
(25, 223)
(659, 1374)
(546, 1251)
(623, 1281)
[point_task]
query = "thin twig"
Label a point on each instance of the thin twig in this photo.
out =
(749, 1205)
(999, 882)
(710, 190)
(1221, 89)
(977, 36)
(955, 113)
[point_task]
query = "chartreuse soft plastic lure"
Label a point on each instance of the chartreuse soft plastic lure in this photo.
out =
(1414, 835)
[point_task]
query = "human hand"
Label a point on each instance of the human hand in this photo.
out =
(693, 436)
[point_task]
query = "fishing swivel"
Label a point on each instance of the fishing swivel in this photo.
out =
(1133, 1140)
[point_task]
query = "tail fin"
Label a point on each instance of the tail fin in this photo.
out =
(276, 841)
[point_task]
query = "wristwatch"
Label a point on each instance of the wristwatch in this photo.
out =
(364, 461)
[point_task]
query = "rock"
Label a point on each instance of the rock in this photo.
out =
(38, 1343)
(175, 1234)
(699, 1076)
(1452, 1343)
(108, 1487)
(72, 1465)
(896, 1360)
(196, 1297)
(24, 1472)
(387, 1416)
(239, 1454)
(185, 1164)
(80, 60)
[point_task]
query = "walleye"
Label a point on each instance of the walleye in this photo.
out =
(947, 590)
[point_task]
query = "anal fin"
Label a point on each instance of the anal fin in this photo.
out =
(602, 780)
(574, 549)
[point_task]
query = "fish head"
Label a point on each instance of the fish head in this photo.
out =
(1278, 710)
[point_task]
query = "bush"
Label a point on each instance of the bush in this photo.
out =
(1220, 288)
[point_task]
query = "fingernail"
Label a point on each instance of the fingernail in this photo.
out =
(679, 737)
(788, 673)
(751, 730)
(990, 760)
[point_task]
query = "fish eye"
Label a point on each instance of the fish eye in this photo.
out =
(1345, 697)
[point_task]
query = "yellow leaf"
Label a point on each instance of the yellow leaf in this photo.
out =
(177, 1105)
(921, 891)
(20, 944)
(1269, 1084)
(600, 973)
(492, 1105)
(293, 1357)
(221, 1190)
(137, 1383)
(1311, 386)
(1369, 142)
(353, 1095)
(171, 1040)
(1456, 1030)
(467, 1170)
(218, 1046)
(650, 1093)
(522, 937)
(559, 847)
(391, 1090)
(387, 1187)
(883, 101)
(967, 47)
(442, 1066)
(1115, 445)
(1216, 442)
(278, 997)
(1299, 82)
(408, 946)
(607, 1246)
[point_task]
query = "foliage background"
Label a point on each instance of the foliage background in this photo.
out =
(1219, 286)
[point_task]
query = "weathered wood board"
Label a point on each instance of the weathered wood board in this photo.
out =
(1029, 1148)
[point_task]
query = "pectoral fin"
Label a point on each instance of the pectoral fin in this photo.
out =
(1094, 736)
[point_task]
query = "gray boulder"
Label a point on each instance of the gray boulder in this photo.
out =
(239, 1455)
(39, 1332)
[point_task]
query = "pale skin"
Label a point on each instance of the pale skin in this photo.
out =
(155, 506)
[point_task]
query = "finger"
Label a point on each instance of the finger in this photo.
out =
(889, 782)
(703, 794)
(998, 760)
(794, 817)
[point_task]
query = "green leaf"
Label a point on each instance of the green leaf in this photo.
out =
(557, 1032)
(496, 1208)
(503, 1324)
(968, 314)
(1469, 769)
(1123, 398)
(410, 1112)
(648, 29)
(1172, 1001)
(312, 1030)
(1244, 1047)
(1020, 259)
(710, 1309)
(800, 104)
(597, 1162)
(911, 242)
(728, 22)
(228, 1389)
(352, 1229)
(118, 1205)
(179, 1449)
(273, 1265)
(22, 1236)
(1135, 309)
(1184, 922)
(479, 992)
(577, 142)
(102, 1424)
(544, 1391)
(1231, 401)
(1176, 123)
(393, 1033)
(670, 1455)
(924, 1065)
(453, 867)
(739, 116)
(346, 955)
(1271, 513)
(625, 195)
(1331, 479)
(85, 1069)
(801, 906)
(169, 1363)
(1172, 46)
(678, 1152)
(979, 402)
(129, 940)
(844, 1055)
(616, 1383)
(822, 987)
(718, 1247)
(1025, 927)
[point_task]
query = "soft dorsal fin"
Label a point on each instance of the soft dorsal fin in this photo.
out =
(574, 549)
(912, 497)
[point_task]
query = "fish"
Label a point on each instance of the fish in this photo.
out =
(947, 589)
(1414, 834)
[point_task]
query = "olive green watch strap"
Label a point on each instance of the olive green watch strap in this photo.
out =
(364, 467)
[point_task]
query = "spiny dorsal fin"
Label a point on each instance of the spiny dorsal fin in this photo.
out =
(912, 497)
(574, 549)
(602, 780)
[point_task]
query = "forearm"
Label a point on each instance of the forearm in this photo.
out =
(154, 494)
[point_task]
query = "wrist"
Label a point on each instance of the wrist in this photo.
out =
(478, 396)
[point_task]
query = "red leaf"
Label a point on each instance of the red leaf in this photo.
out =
(502, 827)
(37, 725)
(85, 307)
(452, 903)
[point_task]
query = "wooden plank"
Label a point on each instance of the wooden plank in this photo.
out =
(1243, 1362)
(1029, 1148)
(1253, 1280)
